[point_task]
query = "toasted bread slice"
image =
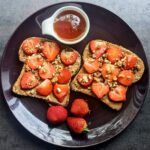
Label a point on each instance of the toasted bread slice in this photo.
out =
(57, 63)
(87, 54)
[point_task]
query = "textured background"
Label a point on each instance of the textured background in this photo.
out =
(137, 15)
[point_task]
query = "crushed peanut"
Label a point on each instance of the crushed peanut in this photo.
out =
(58, 90)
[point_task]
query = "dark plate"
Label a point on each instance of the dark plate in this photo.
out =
(103, 122)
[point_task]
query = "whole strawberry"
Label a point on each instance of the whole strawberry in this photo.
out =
(77, 125)
(80, 108)
(57, 114)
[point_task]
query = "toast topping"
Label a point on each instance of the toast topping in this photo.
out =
(60, 91)
(34, 61)
(85, 79)
(98, 48)
(47, 71)
(91, 65)
(30, 46)
(50, 50)
(48, 67)
(28, 81)
(118, 93)
(112, 69)
(68, 57)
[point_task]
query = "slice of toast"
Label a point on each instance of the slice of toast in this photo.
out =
(86, 55)
(57, 63)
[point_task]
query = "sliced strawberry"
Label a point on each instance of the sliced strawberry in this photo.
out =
(77, 125)
(45, 88)
(85, 79)
(98, 48)
(68, 57)
(100, 89)
(60, 91)
(126, 77)
(47, 71)
(34, 61)
(118, 94)
(64, 76)
(30, 46)
(50, 50)
(91, 65)
(80, 107)
(110, 72)
(28, 81)
(114, 54)
(130, 61)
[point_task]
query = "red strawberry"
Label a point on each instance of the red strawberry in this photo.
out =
(64, 76)
(100, 89)
(57, 114)
(126, 77)
(51, 50)
(68, 57)
(114, 54)
(110, 72)
(85, 79)
(98, 47)
(28, 81)
(34, 61)
(45, 88)
(80, 108)
(77, 125)
(91, 66)
(30, 46)
(60, 91)
(118, 94)
(47, 71)
(130, 61)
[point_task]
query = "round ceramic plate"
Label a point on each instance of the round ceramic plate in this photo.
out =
(103, 122)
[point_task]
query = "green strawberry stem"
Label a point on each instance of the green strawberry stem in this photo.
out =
(86, 130)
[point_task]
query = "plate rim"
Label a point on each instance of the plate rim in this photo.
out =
(63, 145)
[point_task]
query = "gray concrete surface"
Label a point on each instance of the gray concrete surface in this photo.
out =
(136, 13)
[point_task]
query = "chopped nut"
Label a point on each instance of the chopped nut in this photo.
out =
(27, 68)
(85, 78)
(40, 67)
(138, 66)
(104, 55)
(90, 77)
(97, 74)
(76, 84)
(96, 79)
(128, 77)
(43, 69)
(91, 60)
(106, 61)
(114, 78)
(89, 88)
(100, 59)
(121, 75)
(54, 79)
(119, 63)
(58, 90)
(32, 92)
(93, 55)
(107, 76)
